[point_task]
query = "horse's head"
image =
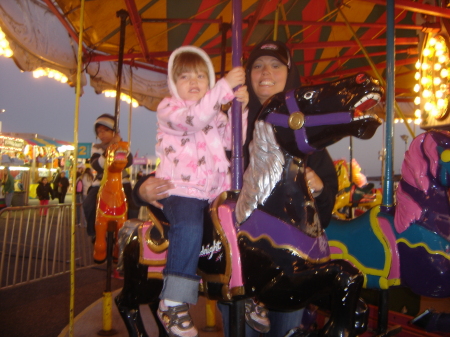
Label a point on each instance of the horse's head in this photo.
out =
(313, 117)
(116, 156)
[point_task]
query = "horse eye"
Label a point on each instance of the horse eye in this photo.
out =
(308, 95)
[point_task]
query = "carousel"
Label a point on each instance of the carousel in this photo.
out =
(402, 239)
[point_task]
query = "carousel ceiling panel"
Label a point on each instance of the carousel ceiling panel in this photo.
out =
(322, 34)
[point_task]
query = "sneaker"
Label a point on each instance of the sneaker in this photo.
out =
(176, 320)
(256, 316)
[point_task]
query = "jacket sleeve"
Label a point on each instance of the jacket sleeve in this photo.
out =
(175, 117)
(135, 194)
(322, 164)
(129, 160)
(39, 191)
(97, 159)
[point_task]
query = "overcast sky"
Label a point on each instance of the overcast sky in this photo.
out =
(46, 107)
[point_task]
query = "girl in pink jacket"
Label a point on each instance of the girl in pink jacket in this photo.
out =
(192, 135)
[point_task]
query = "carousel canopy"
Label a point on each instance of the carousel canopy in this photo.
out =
(36, 139)
(326, 37)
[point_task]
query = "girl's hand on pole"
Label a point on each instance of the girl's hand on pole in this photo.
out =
(242, 96)
(235, 77)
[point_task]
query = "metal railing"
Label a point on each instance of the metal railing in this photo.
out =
(35, 246)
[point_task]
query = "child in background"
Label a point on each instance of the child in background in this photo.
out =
(192, 136)
(104, 130)
(8, 186)
(44, 192)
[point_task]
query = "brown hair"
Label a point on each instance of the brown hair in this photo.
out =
(186, 62)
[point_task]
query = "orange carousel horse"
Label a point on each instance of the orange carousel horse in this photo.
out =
(111, 199)
(358, 194)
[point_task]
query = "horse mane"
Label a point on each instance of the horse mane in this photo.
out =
(420, 160)
(264, 170)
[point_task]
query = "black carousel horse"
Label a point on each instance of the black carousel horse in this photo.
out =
(267, 241)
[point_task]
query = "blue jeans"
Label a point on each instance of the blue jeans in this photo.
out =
(280, 322)
(89, 208)
(8, 198)
(185, 216)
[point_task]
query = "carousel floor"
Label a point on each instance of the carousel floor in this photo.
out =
(41, 308)
(89, 322)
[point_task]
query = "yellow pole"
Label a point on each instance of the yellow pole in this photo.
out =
(74, 170)
(375, 70)
(210, 310)
(130, 115)
(107, 312)
(275, 24)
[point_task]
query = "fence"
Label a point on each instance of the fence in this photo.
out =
(35, 246)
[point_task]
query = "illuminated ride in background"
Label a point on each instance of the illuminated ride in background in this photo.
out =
(356, 194)
(433, 86)
(268, 242)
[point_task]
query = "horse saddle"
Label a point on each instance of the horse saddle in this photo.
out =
(219, 254)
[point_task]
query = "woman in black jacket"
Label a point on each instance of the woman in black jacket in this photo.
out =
(44, 192)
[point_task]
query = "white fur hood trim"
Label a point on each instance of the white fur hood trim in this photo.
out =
(193, 49)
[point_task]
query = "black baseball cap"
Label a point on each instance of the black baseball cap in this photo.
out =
(276, 49)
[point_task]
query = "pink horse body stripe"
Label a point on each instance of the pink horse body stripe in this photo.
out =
(226, 219)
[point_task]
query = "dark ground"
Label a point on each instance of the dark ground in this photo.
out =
(41, 308)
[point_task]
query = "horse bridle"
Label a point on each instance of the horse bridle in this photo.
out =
(297, 121)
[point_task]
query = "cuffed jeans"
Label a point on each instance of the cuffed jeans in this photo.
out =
(185, 216)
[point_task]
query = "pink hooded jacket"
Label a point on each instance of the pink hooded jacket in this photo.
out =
(192, 137)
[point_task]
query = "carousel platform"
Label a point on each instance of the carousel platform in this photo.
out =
(41, 308)
(89, 322)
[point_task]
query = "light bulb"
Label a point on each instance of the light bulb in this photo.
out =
(417, 87)
(417, 100)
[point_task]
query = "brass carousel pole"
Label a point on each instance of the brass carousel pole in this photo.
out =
(74, 169)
